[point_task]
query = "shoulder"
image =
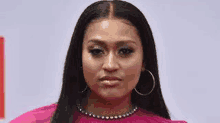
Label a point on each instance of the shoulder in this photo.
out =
(158, 119)
(42, 114)
(149, 117)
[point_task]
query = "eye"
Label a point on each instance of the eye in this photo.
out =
(96, 52)
(125, 51)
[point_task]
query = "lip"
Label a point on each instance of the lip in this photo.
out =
(110, 78)
(110, 83)
(111, 86)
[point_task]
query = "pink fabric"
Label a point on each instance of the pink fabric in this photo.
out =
(43, 115)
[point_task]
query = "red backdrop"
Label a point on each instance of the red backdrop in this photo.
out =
(2, 75)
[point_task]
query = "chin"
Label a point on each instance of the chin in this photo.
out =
(112, 96)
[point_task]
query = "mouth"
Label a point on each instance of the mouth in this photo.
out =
(110, 86)
(110, 82)
(113, 78)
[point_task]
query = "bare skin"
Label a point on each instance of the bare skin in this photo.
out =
(111, 47)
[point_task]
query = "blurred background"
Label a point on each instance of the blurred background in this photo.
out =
(38, 32)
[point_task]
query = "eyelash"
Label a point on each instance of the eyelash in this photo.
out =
(129, 52)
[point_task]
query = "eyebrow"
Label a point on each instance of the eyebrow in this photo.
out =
(97, 41)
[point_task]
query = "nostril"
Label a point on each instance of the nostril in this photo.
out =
(111, 66)
(110, 70)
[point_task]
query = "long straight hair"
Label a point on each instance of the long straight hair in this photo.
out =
(73, 78)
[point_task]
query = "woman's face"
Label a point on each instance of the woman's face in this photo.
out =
(112, 58)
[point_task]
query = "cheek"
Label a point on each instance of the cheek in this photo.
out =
(90, 68)
(132, 71)
(88, 62)
(132, 76)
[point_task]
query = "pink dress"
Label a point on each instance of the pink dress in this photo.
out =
(43, 115)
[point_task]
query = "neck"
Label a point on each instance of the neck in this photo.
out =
(105, 107)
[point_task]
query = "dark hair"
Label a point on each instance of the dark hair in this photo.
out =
(73, 78)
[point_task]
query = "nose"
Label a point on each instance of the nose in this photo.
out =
(110, 63)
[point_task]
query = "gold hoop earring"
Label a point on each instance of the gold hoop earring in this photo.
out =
(83, 90)
(151, 89)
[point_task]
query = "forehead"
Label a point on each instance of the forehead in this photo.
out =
(111, 30)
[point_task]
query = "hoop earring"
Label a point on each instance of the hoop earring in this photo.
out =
(86, 85)
(84, 89)
(151, 89)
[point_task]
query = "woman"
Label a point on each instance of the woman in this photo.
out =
(110, 73)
